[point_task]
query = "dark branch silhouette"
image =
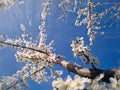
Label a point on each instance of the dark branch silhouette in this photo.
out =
(24, 47)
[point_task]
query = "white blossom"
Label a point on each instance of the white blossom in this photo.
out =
(115, 84)
(80, 83)
(70, 84)
(5, 4)
(59, 84)
(79, 49)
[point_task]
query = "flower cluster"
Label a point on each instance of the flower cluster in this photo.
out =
(70, 84)
(36, 72)
(5, 4)
(79, 49)
(12, 82)
(80, 83)
(64, 6)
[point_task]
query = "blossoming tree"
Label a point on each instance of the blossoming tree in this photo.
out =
(39, 56)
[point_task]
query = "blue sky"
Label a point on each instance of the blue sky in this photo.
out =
(62, 32)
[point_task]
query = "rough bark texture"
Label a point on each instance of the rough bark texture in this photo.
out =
(90, 73)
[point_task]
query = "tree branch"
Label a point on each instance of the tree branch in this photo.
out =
(21, 80)
(24, 47)
(90, 73)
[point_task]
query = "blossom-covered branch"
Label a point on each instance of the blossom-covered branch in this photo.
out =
(17, 83)
(7, 4)
(88, 14)
(37, 56)
(20, 46)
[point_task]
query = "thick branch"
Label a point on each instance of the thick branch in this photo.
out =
(90, 73)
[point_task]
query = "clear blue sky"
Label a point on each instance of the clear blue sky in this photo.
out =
(62, 32)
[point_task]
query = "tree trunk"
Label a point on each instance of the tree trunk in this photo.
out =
(90, 73)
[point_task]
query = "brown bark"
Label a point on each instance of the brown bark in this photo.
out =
(90, 73)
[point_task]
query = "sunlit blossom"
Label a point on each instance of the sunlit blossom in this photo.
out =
(79, 49)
